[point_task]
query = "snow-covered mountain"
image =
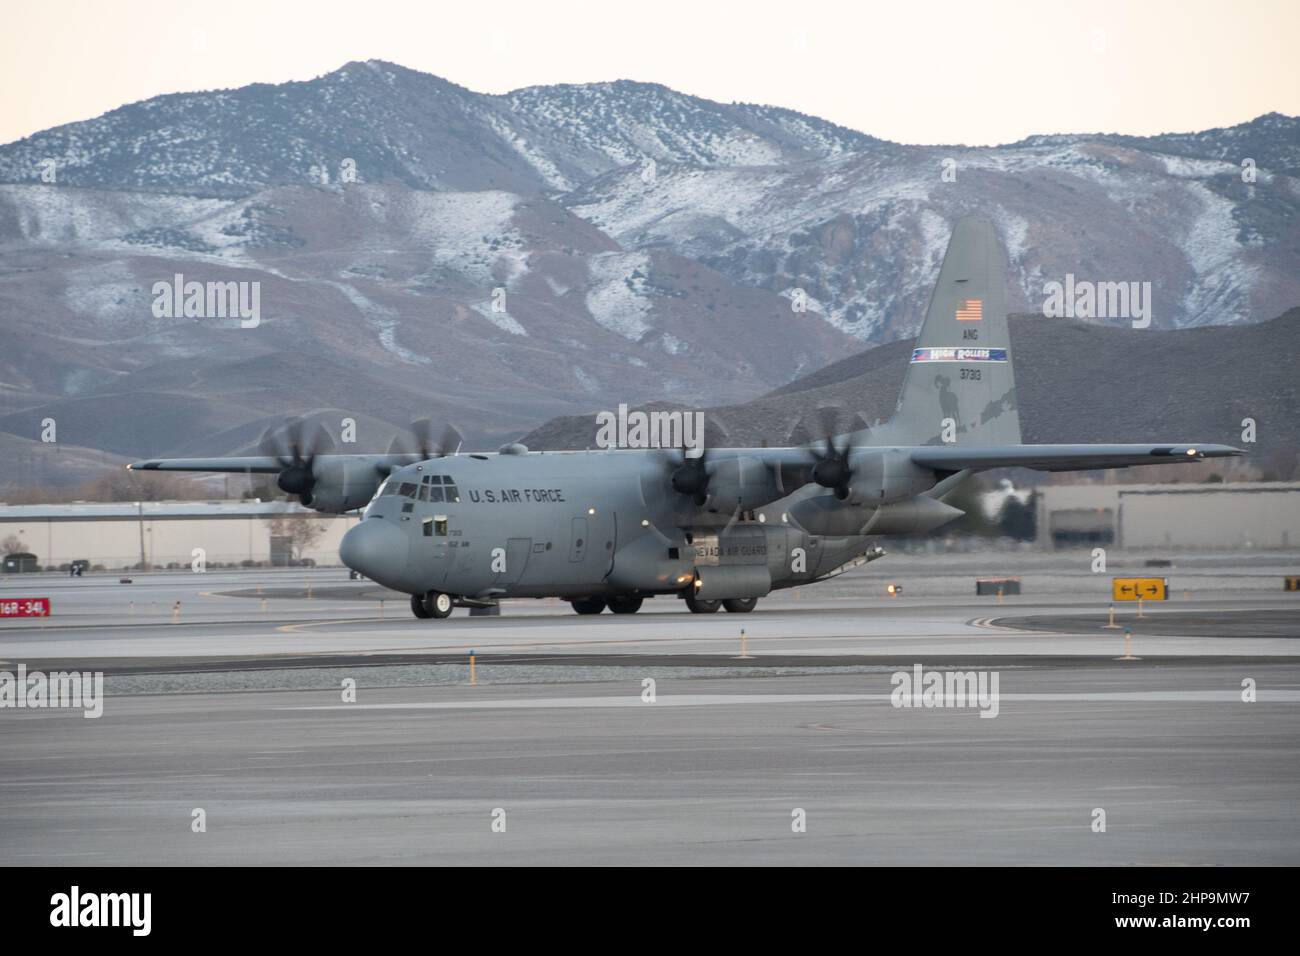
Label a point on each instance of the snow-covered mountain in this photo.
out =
(649, 245)
(380, 302)
(402, 126)
(862, 234)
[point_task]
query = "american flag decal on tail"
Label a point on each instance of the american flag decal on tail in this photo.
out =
(972, 310)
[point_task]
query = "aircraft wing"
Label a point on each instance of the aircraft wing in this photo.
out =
(264, 464)
(259, 463)
(1063, 457)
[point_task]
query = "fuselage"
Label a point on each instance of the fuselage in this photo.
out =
(577, 524)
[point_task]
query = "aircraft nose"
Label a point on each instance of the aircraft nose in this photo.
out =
(376, 548)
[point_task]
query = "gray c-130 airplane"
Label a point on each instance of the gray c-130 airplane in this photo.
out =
(721, 528)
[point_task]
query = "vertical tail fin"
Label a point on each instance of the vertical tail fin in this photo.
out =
(959, 387)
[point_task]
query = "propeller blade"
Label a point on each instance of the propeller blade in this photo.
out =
(450, 442)
(294, 446)
(316, 441)
(715, 433)
(830, 464)
(418, 441)
(828, 417)
(422, 430)
(269, 447)
(734, 516)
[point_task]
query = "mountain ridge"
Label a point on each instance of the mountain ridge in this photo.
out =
(642, 244)
(1149, 393)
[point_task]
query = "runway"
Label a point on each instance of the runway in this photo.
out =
(258, 616)
(592, 774)
(1191, 751)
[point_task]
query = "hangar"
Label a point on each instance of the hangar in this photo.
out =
(157, 534)
(1222, 516)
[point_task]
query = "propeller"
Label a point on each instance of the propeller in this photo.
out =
(423, 446)
(689, 474)
(295, 446)
(686, 475)
(830, 462)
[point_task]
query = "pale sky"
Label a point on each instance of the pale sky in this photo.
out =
(925, 71)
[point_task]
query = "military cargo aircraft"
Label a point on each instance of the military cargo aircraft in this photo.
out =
(721, 527)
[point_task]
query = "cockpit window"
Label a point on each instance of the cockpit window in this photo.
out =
(437, 488)
(407, 490)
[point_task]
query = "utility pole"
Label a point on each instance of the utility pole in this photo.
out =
(140, 510)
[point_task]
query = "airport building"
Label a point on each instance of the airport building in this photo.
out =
(122, 535)
(1219, 516)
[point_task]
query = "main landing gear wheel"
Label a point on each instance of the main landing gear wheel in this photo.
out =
(625, 605)
(436, 604)
(701, 606)
(591, 605)
(418, 608)
(740, 605)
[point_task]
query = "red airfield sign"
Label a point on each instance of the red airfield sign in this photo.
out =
(25, 607)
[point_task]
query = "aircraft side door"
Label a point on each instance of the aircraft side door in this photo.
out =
(516, 560)
(592, 543)
(430, 552)
(578, 534)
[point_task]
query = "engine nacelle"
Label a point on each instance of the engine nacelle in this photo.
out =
(885, 475)
(746, 482)
(824, 515)
(340, 485)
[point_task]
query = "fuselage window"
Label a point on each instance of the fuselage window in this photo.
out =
(440, 526)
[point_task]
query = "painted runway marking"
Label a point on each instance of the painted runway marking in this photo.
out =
(706, 700)
(987, 622)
